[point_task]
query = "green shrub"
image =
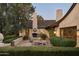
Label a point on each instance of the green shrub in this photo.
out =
(9, 38)
(55, 41)
(63, 42)
(68, 42)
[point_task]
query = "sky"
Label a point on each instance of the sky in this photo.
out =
(48, 10)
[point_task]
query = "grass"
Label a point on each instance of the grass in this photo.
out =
(40, 51)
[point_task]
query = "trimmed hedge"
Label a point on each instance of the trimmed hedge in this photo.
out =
(63, 42)
(39, 51)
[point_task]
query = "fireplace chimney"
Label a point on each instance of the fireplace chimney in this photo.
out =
(59, 14)
(34, 19)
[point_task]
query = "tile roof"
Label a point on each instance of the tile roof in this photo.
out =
(41, 23)
(63, 18)
(45, 23)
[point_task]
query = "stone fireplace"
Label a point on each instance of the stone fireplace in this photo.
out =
(34, 32)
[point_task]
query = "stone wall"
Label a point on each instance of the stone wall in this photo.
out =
(43, 31)
(17, 41)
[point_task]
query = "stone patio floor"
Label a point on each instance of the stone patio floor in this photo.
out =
(28, 43)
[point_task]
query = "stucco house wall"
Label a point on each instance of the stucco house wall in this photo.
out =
(71, 20)
(22, 32)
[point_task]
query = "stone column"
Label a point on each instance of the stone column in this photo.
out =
(77, 39)
(34, 19)
(34, 25)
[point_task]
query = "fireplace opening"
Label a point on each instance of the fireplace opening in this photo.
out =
(34, 34)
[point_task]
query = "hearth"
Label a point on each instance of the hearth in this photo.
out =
(34, 34)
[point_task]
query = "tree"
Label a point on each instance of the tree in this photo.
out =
(13, 16)
(21, 13)
(40, 17)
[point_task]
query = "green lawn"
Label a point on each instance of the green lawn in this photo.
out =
(39, 51)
